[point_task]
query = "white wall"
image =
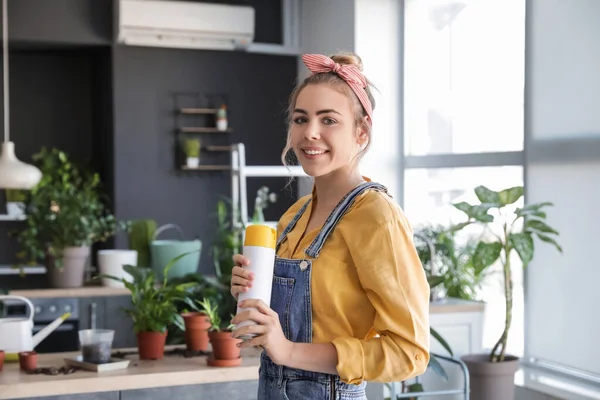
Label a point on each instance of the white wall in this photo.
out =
(563, 166)
(371, 29)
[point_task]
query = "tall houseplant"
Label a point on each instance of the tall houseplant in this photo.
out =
(519, 227)
(67, 212)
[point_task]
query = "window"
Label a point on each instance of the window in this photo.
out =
(463, 119)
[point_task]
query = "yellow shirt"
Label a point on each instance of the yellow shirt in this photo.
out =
(370, 296)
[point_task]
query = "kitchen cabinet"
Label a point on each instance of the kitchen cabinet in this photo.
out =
(106, 313)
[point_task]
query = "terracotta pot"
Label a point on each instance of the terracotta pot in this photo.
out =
(196, 331)
(151, 345)
(1, 359)
(224, 346)
(28, 360)
(491, 381)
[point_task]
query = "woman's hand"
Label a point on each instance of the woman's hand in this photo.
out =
(241, 278)
(270, 335)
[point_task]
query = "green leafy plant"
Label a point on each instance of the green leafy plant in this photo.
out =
(191, 147)
(154, 304)
(15, 195)
(68, 207)
(450, 269)
(212, 311)
(518, 229)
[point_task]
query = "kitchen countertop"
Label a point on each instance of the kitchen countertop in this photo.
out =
(85, 291)
(170, 371)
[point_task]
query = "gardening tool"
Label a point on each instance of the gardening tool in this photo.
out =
(163, 251)
(16, 334)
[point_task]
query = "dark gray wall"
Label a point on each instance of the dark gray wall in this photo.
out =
(147, 182)
(57, 99)
(72, 88)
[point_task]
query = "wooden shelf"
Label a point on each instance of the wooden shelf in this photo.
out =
(202, 129)
(198, 110)
(207, 168)
(217, 148)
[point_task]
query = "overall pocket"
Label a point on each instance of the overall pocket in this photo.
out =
(281, 300)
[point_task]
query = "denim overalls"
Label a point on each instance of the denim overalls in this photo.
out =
(291, 299)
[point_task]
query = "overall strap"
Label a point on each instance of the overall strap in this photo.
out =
(336, 215)
(291, 225)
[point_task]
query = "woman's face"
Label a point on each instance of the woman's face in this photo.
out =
(324, 134)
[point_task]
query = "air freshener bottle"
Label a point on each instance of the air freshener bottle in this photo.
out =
(222, 118)
(259, 248)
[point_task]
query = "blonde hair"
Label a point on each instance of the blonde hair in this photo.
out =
(332, 79)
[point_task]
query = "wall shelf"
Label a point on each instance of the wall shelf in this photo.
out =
(202, 129)
(190, 110)
(207, 168)
(217, 148)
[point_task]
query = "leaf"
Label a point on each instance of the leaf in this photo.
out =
(485, 254)
(510, 195)
(435, 280)
(435, 365)
(523, 244)
(539, 225)
(536, 206)
(548, 239)
(458, 227)
(486, 195)
(415, 388)
(441, 340)
(463, 206)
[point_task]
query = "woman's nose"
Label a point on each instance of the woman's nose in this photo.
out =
(312, 131)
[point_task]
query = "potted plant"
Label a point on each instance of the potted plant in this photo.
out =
(263, 198)
(191, 147)
(15, 202)
(492, 375)
(154, 307)
(66, 212)
(225, 352)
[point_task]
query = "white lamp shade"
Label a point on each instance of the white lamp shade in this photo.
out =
(15, 174)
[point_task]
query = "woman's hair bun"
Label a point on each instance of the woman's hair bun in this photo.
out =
(348, 59)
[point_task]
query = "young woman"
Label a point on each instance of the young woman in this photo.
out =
(350, 300)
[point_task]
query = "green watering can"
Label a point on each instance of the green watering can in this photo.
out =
(163, 251)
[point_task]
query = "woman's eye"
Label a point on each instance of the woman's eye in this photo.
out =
(328, 121)
(299, 120)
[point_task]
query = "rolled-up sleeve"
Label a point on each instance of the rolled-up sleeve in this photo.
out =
(393, 278)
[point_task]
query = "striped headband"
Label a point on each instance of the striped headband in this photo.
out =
(318, 63)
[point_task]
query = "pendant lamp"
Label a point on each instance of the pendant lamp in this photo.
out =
(14, 174)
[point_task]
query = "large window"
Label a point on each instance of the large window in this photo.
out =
(463, 118)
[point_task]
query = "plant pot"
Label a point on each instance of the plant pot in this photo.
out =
(224, 346)
(110, 262)
(193, 162)
(222, 124)
(196, 331)
(28, 360)
(1, 359)
(491, 381)
(71, 273)
(151, 345)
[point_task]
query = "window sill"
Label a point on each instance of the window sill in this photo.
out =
(551, 385)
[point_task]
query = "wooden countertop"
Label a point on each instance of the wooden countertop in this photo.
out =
(171, 371)
(85, 291)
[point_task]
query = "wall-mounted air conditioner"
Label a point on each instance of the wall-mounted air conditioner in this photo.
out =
(184, 24)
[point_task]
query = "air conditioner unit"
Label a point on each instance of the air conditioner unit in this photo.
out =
(185, 24)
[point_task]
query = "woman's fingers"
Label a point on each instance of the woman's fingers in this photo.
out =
(242, 272)
(240, 260)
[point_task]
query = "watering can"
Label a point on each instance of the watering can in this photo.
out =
(16, 334)
(163, 251)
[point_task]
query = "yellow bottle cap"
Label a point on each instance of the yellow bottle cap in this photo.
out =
(260, 235)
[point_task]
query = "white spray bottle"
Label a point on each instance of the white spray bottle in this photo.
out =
(259, 248)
